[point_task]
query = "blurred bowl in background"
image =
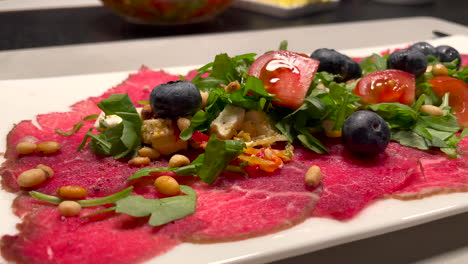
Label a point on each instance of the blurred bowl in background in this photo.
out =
(167, 12)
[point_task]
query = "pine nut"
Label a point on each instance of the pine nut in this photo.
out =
(151, 153)
(431, 110)
(204, 97)
(167, 185)
(232, 87)
(31, 178)
(48, 170)
(147, 112)
(69, 208)
(183, 123)
(313, 176)
(72, 192)
(178, 161)
(328, 126)
(26, 147)
(48, 147)
(139, 161)
(439, 70)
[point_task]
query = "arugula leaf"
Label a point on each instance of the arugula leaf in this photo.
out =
(397, 115)
(218, 154)
(311, 142)
(252, 95)
(373, 63)
(188, 170)
(123, 139)
(163, 210)
(410, 139)
(223, 70)
(77, 126)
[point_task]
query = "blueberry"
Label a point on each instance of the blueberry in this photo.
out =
(336, 63)
(448, 54)
(425, 48)
(407, 60)
(174, 99)
(365, 133)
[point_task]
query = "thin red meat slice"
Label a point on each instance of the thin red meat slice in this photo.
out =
(437, 174)
(350, 183)
(250, 207)
(46, 237)
(233, 208)
(236, 207)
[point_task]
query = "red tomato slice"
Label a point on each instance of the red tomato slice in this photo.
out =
(387, 86)
(286, 74)
(458, 98)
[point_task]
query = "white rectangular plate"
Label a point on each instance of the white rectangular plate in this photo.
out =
(23, 99)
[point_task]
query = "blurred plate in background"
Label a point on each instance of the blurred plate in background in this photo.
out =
(286, 8)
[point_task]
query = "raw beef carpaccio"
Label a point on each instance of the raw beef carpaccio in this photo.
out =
(233, 208)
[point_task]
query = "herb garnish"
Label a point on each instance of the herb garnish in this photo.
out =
(84, 203)
(123, 139)
(77, 126)
(208, 166)
(222, 71)
(163, 210)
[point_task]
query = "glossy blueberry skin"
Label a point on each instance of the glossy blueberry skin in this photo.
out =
(448, 54)
(425, 48)
(365, 133)
(407, 60)
(175, 99)
(336, 63)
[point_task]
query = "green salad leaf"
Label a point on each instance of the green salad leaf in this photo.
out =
(419, 130)
(163, 210)
(373, 63)
(218, 154)
(123, 139)
(77, 126)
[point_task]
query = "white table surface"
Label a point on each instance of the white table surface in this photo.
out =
(442, 241)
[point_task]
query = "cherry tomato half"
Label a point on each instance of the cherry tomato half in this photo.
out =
(286, 74)
(458, 98)
(387, 86)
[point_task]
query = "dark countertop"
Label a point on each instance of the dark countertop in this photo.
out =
(43, 28)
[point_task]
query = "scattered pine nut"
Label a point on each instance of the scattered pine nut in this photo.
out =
(178, 161)
(439, 70)
(151, 153)
(431, 110)
(31, 178)
(313, 176)
(139, 161)
(204, 97)
(147, 112)
(72, 192)
(26, 147)
(232, 87)
(328, 126)
(183, 123)
(48, 147)
(69, 208)
(48, 170)
(167, 185)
